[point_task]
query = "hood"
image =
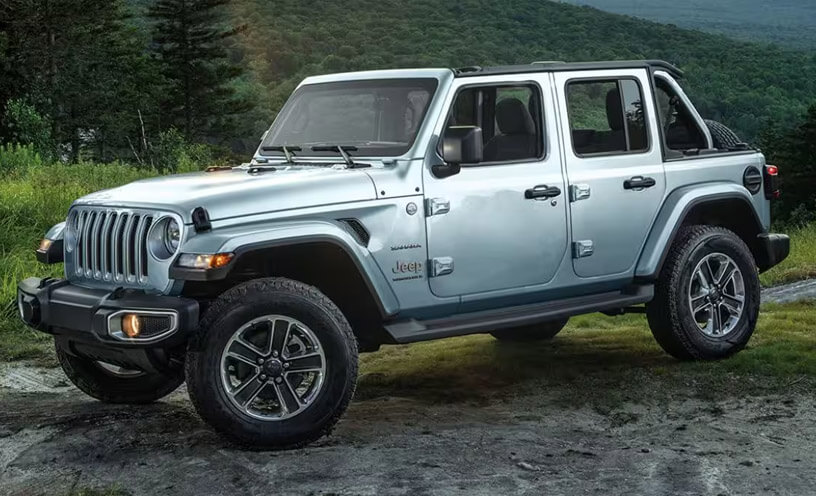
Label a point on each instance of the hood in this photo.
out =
(234, 193)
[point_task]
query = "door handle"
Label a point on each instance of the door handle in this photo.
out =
(542, 191)
(639, 182)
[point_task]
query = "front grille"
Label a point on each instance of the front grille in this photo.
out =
(110, 244)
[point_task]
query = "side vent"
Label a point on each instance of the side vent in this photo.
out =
(360, 233)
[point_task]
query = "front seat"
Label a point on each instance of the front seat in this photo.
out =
(517, 139)
(614, 140)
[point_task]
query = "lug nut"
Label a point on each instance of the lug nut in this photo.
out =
(278, 380)
(260, 361)
(263, 377)
(286, 365)
(274, 353)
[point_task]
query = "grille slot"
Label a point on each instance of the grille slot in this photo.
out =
(111, 245)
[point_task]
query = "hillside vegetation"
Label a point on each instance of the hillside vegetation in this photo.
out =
(738, 83)
(785, 22)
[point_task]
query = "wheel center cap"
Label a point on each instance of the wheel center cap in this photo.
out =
(273, 367)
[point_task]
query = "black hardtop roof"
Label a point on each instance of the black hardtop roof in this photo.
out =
(557, 66)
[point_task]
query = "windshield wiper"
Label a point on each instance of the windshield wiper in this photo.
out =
(287, 151)
(343, 150)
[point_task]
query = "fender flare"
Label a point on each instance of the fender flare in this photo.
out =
(673, 213)
(248, 239)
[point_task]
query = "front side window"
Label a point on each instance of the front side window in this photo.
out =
(509, 116)
(376, 118)
(607, 117)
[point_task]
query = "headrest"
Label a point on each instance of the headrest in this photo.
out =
(513, 117)
(614, 110)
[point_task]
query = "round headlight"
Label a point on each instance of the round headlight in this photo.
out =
(172, 235)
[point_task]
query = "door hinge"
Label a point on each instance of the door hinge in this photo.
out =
(436, 206)
(583, 248)
(579, 192)
(441, 266)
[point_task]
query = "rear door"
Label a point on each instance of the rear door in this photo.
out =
(614, 166)
(485, 231)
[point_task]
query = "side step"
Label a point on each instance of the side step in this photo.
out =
(408, 331)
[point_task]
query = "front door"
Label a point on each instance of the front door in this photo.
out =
(493, 226)
(614, 167)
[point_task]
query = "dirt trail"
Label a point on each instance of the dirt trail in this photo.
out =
(524, 440)
(52, 442)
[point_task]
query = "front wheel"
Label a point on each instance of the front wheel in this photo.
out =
(275, 365)
(706, 300)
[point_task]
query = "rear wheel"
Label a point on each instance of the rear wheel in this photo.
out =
(706, 301)
(275, 365)
(535, 332)
(113, 384)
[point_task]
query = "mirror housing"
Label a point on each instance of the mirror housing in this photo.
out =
(460, 145)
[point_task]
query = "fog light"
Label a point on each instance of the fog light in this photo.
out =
(45, 244)
(131, 325)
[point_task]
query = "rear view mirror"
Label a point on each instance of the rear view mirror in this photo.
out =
(460, 145)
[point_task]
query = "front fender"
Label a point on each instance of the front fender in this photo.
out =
(674, 210)
(245, 239)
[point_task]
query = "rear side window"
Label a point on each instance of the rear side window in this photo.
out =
(607, 117)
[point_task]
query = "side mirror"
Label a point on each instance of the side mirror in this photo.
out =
(460, 145)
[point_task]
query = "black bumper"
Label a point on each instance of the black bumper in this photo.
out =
(773, 248)
(81, 315)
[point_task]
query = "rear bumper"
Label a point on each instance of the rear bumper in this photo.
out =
(87, 315)
(773, 248)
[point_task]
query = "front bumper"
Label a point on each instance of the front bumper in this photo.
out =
(85, 315)
(773, 248)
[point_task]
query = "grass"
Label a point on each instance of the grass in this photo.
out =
(800, 264)
(596, 355)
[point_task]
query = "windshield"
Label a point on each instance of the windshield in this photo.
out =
(374, 118)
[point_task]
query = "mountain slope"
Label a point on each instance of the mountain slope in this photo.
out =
(738, 83)
(785, 22)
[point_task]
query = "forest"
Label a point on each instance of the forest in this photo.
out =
(144, 81)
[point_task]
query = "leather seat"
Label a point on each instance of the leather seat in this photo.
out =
(518, 134)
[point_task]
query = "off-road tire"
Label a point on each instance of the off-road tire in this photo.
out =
(723, 137)
(669, 315)
(252, 300)
(93, 380)
(535, 332)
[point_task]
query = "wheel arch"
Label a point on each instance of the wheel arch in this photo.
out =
(726, 205)
(324, 256)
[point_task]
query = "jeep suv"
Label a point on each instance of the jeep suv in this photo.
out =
(399, 206)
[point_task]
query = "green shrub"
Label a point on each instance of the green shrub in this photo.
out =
(28, 127)
(16, 157)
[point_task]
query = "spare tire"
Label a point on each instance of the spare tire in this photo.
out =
(723, 138)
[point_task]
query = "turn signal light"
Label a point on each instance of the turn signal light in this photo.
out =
(202, 261)
(131, 325)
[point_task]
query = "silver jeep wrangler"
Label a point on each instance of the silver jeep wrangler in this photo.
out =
(399, 206)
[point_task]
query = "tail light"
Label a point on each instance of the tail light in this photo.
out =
(772, 182)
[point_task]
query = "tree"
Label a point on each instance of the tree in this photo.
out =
(191, 41)
(82, 67)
